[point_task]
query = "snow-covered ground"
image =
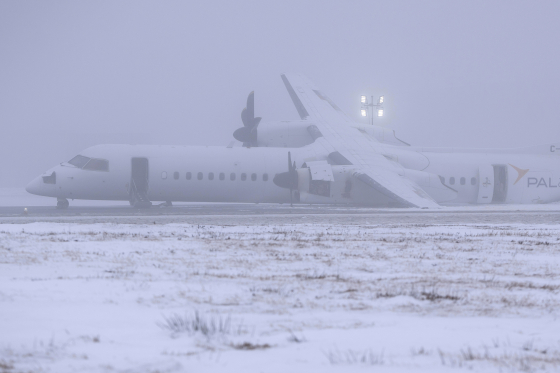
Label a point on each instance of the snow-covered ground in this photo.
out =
(298, 298)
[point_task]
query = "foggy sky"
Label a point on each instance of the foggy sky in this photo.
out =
(454, 73)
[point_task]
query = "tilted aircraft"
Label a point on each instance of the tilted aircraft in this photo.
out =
(324, 158)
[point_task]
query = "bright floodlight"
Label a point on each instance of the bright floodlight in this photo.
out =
(364, 112)
(380, 112)
(364, 100)
(380, 99)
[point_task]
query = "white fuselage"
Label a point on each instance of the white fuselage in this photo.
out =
(253, 170)
(467, 173)
(529, 175)
(237, 174)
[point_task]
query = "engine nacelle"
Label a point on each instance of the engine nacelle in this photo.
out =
(286, 134)
(295, 134)
(382, 134)
(331, 187)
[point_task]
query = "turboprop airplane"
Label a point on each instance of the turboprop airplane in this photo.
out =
(324, 158)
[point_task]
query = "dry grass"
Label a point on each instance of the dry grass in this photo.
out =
(349, 357)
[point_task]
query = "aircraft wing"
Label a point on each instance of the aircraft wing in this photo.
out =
(351, 147)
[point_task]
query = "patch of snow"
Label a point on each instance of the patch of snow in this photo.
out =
(304, 297)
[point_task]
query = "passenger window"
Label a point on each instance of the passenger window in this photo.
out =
(211, 176)
(222, 176)
(199, 176)
(462, 181)
(253, 177)
(243, 177)
(265, 177)
(189, 175)
(473, 180)
(97, 165)
(176, 175)
(79, 161)
(232, 176)
(164, 175)
(451, 180)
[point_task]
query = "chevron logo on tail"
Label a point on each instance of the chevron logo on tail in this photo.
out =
(520, 173)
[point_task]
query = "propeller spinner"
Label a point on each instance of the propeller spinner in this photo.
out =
(288, 179)
(248, 133)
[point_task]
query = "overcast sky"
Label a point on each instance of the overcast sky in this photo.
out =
(455, 73)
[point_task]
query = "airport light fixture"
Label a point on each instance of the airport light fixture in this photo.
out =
(366, 106)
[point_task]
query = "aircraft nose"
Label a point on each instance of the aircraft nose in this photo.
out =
(34, 187)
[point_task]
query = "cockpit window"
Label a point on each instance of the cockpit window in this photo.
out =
(79, 161)
(97, 165)
(91, 164)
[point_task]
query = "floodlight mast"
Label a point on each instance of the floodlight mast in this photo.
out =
(366, 106)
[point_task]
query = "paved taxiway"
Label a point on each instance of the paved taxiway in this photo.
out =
(261, 214)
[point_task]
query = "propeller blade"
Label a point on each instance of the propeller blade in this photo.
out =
(289, 179)
(242, 134)
(248, 133)
(251, 107)
(246, 121)
(289, 162)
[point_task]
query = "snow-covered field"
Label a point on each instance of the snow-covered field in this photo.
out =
(298, 298)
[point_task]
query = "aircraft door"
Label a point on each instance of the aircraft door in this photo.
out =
(139, 177)
(500, 183)
(485, 183)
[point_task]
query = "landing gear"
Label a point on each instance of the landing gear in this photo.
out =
(62, 204)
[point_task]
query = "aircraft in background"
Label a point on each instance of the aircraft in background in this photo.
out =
(324, 158)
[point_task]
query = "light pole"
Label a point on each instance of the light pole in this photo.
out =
(366, 106)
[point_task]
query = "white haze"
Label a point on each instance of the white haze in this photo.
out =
(76, 74)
